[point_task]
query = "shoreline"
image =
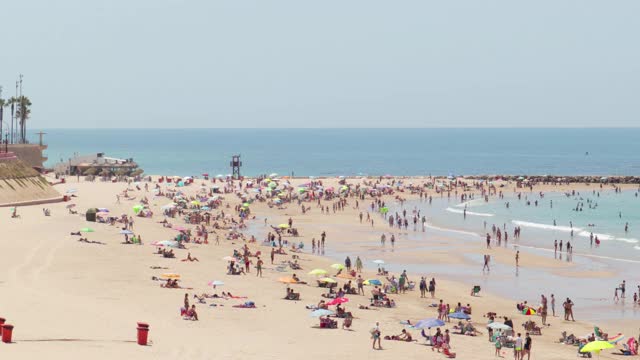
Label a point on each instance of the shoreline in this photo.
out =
(47, 260)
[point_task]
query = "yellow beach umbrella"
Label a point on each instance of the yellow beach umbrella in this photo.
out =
(596, 346)
(283, 226)
(337, 266)
(172, 276)
(318, 272)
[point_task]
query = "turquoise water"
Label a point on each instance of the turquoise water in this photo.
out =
(330, 152)
(604, 213)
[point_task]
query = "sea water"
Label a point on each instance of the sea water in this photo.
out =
(333, 152)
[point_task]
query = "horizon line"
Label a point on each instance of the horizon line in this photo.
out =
(337, 128)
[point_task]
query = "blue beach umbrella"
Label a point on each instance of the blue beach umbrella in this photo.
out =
(428, 323)
(459, 315)
(373, 282)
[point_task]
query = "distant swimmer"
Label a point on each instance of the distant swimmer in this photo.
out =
(586, 153)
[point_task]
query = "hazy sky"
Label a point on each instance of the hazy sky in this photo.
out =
(348, 63)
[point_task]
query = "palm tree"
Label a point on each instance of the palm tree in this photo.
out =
(22, 115)
(12, 101)
(3, 103)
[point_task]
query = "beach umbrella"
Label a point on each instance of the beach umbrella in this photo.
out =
(321, 312)
(126, 232)
(71, 191)
(328, 280)
(137, 208)
(172, 276)
(283, 226)
(318, 272)
(205, 208)
(529, 311)
(219, 176)
(168, 207)
(337, 301)
(195, 202)
(459, 315)
(499, 326)
(169, 243)
(301, 190)
(337, 266)
(103, 210)
(615, 339)
(245, 205)
(378, 261)
(596, 347)
(273, 185)
(373, 282)
(288, 280)
(384, 210)
(215, 283)
(428, 323)
(179, 228)
(87, 230)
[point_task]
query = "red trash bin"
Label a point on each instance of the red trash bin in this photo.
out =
(143, 325)
(143, 333)
(7, 331)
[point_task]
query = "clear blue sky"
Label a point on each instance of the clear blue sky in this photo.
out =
(296, 63)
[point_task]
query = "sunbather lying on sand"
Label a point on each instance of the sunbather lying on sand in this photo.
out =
(403, 336)
(189, 258)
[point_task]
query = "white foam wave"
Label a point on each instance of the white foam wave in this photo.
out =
(429, 226)
(544, 226)
(457, 211)
(608, 237)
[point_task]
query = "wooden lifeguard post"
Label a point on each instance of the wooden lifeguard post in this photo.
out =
(235, 166)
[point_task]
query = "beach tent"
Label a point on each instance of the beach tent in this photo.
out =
(91, 214)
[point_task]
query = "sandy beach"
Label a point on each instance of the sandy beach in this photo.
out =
(79, 299)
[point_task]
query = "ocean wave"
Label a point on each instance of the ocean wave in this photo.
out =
(433, 227)
(608, 237)
(457, 211)
(545, 226)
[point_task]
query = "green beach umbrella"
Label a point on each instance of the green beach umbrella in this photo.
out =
(245, 205)
(137, 208)
(273, 185)
(384, 210)
(86, 230)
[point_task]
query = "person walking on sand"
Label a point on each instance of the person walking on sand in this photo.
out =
(360, 282)
(358, 264)
(376, 335)
(568, 309)
(423, 287)
(273, 255)
(553, 305)
(259, 267)
(486, 263)
(527, 347)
